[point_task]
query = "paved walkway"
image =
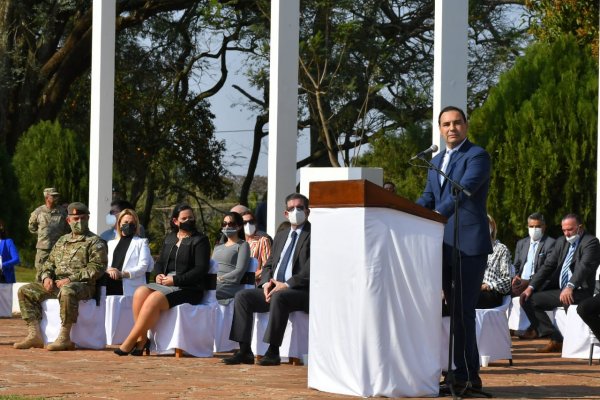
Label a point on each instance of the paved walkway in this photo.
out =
(102, 375)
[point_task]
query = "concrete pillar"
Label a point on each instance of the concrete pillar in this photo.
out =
(450, 59)
(283, 107)
(102, 115)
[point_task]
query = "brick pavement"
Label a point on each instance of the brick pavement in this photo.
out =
(102, 375)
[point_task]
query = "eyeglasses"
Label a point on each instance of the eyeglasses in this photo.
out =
(228, 224)
(250, 221)
(299, 208)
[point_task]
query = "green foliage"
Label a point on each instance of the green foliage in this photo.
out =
(11, 210)
(48, 155)
(540, 126)
(390, 153)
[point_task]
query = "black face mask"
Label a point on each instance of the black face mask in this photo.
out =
(188, 226)
(128, 229)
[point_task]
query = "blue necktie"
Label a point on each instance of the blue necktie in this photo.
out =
(286, 259)
(565, 272)
(528, 268)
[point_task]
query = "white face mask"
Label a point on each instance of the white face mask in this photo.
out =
(249, 229)
(296, 217)
(535, 233)
(111, 220)
(572, 239)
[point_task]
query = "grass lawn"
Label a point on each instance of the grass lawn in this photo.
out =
(24, 274)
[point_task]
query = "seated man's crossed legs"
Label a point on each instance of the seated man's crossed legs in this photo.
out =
(249, 301)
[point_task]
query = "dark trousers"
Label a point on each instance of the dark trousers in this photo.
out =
(548, 300)
(489, 299)
(249, 301)
(469, 277)
(589, 311)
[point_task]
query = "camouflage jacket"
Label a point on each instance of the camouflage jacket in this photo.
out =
(49, 225)
(81, 258)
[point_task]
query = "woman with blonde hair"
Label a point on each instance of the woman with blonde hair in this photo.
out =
(128, 256)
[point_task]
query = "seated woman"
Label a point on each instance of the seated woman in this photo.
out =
(260, 242)
(233, 258)
(498, 274)
(181, 271)
(128, 256)
(9, 256)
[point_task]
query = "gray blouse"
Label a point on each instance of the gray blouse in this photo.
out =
(233, 263)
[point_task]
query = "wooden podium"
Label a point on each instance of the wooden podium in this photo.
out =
(375, 292)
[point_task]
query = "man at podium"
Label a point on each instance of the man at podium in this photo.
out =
(468, 165)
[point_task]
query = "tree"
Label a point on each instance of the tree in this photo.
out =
(11, 209)
(50, 156)
(554, 18)
(540, 125)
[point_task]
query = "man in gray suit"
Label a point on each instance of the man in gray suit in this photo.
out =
(282, 290)
(531, 252)
(572, 266)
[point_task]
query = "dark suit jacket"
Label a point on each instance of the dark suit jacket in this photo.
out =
(470, 166)
(584, 265)
(544, 248)
(301, 259)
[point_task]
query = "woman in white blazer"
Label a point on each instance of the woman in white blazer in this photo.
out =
(128, 256)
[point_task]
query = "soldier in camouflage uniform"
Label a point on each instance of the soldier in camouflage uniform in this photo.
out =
(75, 263)
(49, 222)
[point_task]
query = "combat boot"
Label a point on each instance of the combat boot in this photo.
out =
(63, 341)
(34, 337)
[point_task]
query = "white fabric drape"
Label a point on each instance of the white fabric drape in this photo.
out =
(119, 318)
(6, 299)
(375, 303)
(576, 336)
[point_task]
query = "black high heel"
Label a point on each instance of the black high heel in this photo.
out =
(120, 352)
(140, 352)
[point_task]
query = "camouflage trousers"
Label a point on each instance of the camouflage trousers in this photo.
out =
(41, 256)
(32, 295)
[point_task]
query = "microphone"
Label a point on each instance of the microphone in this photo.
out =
(430, 150)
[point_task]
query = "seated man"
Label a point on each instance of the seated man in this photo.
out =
(282, 290)
(589, 311)
(572, 265)
(76, 261)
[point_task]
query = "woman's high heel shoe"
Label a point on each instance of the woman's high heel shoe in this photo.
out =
(144, 349)
(120, 352)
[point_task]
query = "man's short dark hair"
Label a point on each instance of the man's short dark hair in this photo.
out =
(295, 196)
(538, 216)
(573, 216)
(122, 204)
(452, 108)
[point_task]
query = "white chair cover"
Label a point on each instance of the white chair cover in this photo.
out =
(6, 299)
(87, 333)
(188, 327)
(295, 338)
(16, 308)
(493, 336)
(224, 317)
(119, 318)
(576, 337)
(517, 319)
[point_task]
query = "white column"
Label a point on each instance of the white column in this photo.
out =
(102, 105)
(450, 59)
(283, 107)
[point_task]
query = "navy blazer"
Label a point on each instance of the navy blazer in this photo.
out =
(544, 248)
(584, 264)
(300, 278)
(470, 166)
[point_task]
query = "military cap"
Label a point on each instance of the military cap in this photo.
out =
(51, 191)
(77, 208)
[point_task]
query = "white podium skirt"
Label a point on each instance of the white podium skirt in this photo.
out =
(375, 303)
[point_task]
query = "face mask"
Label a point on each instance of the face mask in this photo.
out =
(79, 227)
(249, 229)
(128, 229)
(572, 239)
(229, 231)
(535, 234)
(111, 220)
(188, 226)
(296, 217)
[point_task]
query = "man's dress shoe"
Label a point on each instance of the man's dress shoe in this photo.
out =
(529, 334)
(239, 358)
(269, 360)
(551, 347)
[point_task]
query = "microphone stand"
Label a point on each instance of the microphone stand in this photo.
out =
(457, 188)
